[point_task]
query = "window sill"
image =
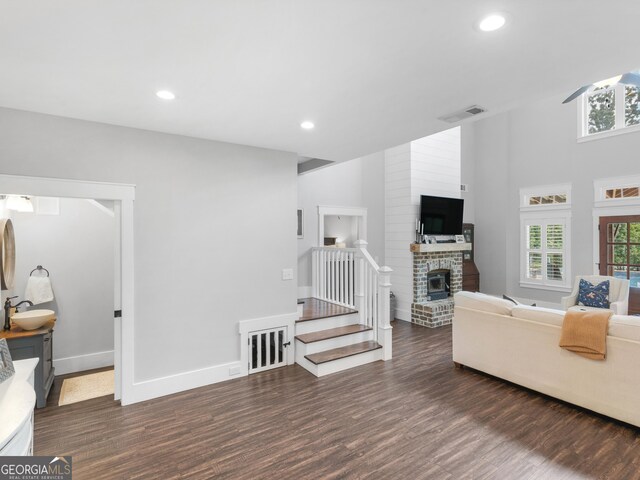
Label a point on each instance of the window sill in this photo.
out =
(610, 133)
(540, 286)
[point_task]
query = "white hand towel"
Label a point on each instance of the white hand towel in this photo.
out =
(38, 290)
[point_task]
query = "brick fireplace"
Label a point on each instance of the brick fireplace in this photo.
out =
(437, 276)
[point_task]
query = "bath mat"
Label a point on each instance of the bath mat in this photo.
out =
(86, 387)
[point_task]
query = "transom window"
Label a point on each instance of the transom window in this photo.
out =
(610, 108)
(627, 192)
(548, 199)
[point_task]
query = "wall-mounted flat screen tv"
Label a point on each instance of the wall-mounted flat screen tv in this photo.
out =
(441, 216)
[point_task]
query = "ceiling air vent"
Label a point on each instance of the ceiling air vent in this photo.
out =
(462, 114)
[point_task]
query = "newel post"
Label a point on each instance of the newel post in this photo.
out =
(359, 280)
(384, 308)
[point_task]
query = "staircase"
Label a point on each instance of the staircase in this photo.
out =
(346, 323)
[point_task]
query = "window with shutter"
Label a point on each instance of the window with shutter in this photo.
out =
(545, 238)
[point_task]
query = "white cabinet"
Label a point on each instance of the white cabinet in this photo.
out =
(17, 401)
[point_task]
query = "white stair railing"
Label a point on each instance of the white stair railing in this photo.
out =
(333, 272)
(352, 278)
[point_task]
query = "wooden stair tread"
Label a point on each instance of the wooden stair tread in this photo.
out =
(342, 352)
(332, 333)
(315, 309)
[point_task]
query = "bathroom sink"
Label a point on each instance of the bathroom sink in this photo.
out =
(32, 319)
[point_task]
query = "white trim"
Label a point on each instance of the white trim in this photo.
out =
(56, 187)
(609, 133)
(81, 363)
(538, 286)
(620, 122)
(359, 212)
(264, 323)
(51, 187)
(543, 218)
(159, 387)
(601, 185)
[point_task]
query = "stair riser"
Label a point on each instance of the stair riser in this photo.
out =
(348, 362)
(330, 343)
(326, 323)
(306, 364)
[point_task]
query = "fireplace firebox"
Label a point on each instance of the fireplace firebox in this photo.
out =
(438, 284)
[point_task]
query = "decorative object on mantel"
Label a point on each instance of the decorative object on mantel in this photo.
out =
(6, 364)
(7, 254)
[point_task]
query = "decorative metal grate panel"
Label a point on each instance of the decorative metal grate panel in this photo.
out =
(267, 349)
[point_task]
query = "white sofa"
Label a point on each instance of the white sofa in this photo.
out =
(520, 344)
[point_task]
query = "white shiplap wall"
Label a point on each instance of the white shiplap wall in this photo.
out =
(428, 166)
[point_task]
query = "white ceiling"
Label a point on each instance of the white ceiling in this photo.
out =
(370, 73)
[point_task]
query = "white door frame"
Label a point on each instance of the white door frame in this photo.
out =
(125, 195)
(359, 212)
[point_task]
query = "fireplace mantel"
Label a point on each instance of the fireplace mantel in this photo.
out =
(439, 247)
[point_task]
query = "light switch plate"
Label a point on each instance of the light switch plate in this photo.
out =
(287, 274)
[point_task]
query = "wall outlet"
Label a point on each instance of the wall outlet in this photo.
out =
(234, 370)
(287, 274)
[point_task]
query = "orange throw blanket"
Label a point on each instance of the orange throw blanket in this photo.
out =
(585, 333)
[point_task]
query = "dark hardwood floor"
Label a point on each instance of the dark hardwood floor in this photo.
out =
(414, 417)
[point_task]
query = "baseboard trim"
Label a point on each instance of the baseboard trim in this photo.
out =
(80, 363)
(180, 382)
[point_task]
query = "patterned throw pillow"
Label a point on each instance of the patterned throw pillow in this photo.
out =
(590, 295)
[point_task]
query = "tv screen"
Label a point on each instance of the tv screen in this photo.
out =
(441, 216)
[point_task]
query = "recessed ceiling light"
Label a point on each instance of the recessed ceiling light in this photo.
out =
(492, 22)
(165, 94)
(307, 125)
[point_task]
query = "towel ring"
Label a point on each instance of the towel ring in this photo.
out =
(39, 268)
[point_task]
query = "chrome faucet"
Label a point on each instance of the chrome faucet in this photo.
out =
(7, 310)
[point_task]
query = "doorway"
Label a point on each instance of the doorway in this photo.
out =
(122, 197)
(620, 253)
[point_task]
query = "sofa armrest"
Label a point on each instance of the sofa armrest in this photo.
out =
(619, 308)
(569, 301)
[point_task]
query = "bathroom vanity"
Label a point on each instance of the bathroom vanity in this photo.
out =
(34, 344)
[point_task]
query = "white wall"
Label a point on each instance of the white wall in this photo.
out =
(77, 247)
(427, 166)
(356, 183)
(214, 227)
(536, 145)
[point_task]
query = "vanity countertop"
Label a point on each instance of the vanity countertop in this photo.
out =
(17, 332)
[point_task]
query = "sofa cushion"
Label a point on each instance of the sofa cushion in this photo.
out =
(486, 303)
(539, 314)
(625, 326)
(580, 308)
